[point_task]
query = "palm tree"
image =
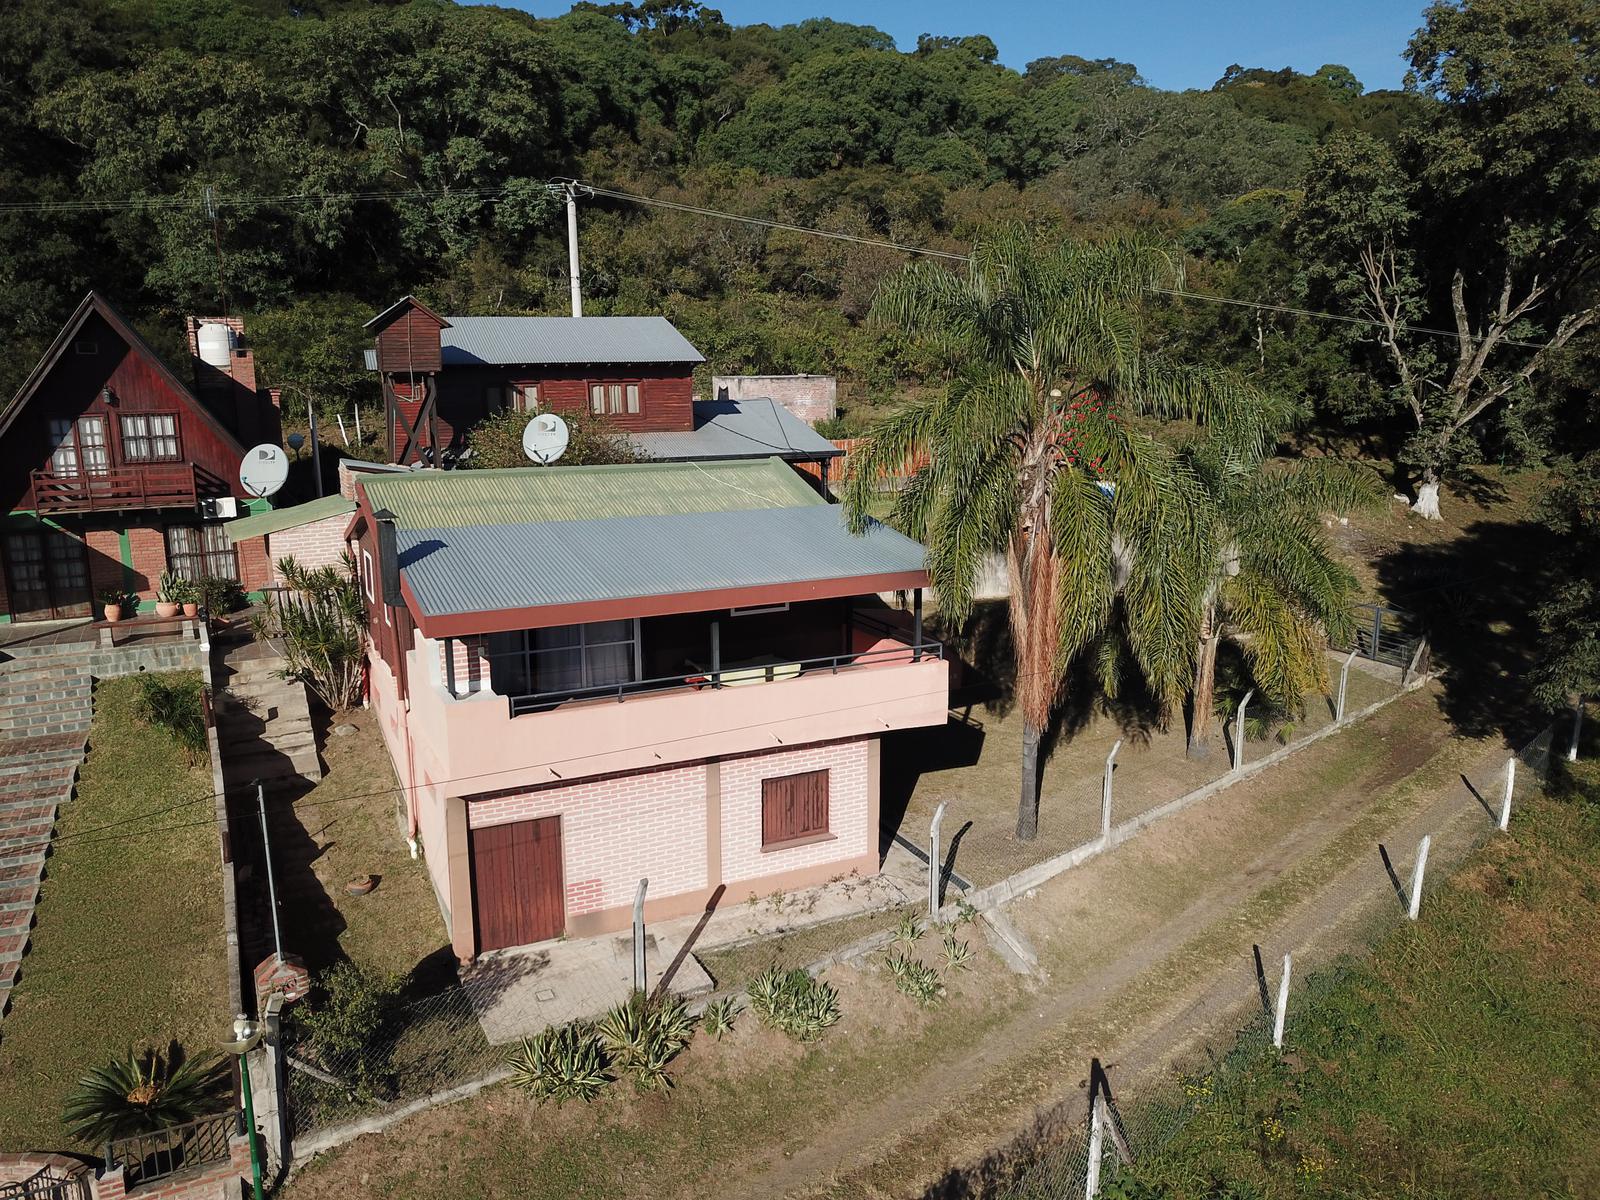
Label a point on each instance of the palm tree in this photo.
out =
(1274, 585)
(1033, 450)
(145, 1093)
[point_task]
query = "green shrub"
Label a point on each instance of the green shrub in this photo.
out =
(643, 1034)
(323, 629)
(719, 1016)
(218, 596)
(496, 441)
(349, 1009)
(146, 1093)
(915, 979)
(794, 1003)
(174, 703)
(564, 1062)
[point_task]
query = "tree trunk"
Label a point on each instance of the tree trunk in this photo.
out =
(1028, 805)
(1205, 695)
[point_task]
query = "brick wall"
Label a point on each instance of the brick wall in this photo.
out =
(315, 544)
(616, 831)
(149, 550)
(812, 398)
(255, 565)
(848, 806)
(105, 561)
(472, 668)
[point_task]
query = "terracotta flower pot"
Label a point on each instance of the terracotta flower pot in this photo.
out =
(113, 612)
(166, 609)
(191, 610)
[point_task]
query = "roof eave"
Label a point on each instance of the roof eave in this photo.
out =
(443, 625)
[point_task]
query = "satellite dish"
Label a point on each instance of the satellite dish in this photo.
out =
(545, 439)
(264, 470)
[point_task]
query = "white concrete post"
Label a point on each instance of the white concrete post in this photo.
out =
(572, 249)
(933, 862)
(1238, 731)
(1577, 730)
(1511, 784)
(1344, 685)
(1097, 1146)
(1416, 876)
(639, 978)
(1105, 794)
(1283, 1004)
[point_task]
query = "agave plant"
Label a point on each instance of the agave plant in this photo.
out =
(643, 1034)
(957, 954)
(145, 1092)
(564, 1062)
(914, 978)
(907, 929)
(794, 1003)
(719, 1016)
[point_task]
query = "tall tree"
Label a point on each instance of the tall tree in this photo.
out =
(1570, 613)
(1033, 451)
(1482, 220)
(1275, 586)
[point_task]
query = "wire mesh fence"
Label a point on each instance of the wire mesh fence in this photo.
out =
(420, 1048)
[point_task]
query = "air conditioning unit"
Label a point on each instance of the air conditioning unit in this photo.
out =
(219, 508)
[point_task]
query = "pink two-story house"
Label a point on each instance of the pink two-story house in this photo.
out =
(674, 671)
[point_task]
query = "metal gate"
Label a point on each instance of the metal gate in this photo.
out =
(1385, 635)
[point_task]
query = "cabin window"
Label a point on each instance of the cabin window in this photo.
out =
(79, 445)
(794, 808)
(366, 575)
(201, 552)
(564, 658)
(150, 437)
(85, 348)
(612, 399)
(496, 399)
(525, 397)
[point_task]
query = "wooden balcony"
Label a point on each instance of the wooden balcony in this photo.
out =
(159, 485)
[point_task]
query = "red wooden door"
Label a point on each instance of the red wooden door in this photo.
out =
(517, 885)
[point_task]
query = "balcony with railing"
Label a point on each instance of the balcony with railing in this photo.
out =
(623, 695)
(155, 485)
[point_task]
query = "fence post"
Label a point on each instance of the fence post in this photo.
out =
(1097, 1146)
(1416, 876)
(933, 862)
(1511, 783)
(638, 937)
(1577, 729)
(272, 1108)
(1105, 794)
(1283, 1004)
(1238, 731)
(1344, 684)
(272, 886)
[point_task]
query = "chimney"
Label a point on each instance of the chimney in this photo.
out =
(225, 376)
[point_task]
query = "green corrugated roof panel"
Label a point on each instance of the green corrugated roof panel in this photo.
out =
(278, 519)
(521, 495)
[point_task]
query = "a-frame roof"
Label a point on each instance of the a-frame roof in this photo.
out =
(96, 303)
(391, 314)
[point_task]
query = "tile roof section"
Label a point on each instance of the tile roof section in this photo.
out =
(523, 495)
(752, 428)
(500, 567)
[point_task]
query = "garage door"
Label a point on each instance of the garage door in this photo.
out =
(517, 888)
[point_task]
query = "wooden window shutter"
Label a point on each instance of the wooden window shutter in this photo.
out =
(793, 807)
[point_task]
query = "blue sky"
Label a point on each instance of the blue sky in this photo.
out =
(1174, 43)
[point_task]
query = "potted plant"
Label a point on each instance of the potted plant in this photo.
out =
(189, 596)
(112, 600)
(169, 594)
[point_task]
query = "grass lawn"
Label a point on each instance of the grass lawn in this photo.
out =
(127, 949)
(1457, 1061)
(346, 827)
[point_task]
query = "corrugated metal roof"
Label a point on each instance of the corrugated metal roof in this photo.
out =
(485, 568)
(551, 340)
(279, 519)
(738, 429)
(451, 499)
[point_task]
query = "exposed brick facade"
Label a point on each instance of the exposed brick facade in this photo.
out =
(812, 398)
(743, 858)
(314, 544)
